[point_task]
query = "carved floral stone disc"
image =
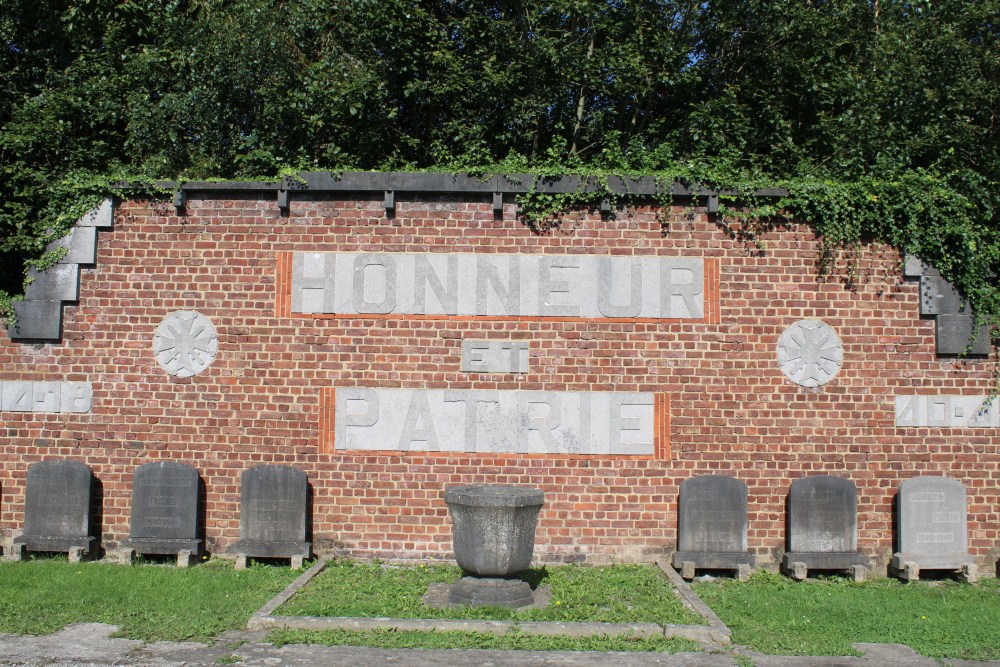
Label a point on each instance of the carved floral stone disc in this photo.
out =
(185, 343)
(810, 353)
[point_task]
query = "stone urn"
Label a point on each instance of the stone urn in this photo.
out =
(493, 533)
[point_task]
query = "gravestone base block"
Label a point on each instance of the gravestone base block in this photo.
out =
(689, 561)
(822, 560)
(60, 544)
(859, 573)
(184, 557)
(294, 551)
(970, 572)
(908, 566)
(123, 556)
(75, 554)
(16, 552)
(161, 546)
(297, 562)
(491, 592)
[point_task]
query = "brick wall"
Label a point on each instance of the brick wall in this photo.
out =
(731, 410)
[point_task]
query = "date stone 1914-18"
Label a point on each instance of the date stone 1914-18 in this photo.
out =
(823, 527)
(165, 510)
(273, 514)
(931, 528)
(57, 510)
(712, 526)
(493, 528)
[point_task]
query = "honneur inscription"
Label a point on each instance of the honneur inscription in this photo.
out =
(495, 285)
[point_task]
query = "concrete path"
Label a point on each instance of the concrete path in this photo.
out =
(90, 644)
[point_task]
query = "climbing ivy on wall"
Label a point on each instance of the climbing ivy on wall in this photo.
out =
(877, 116)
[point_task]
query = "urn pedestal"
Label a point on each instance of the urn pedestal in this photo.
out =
(493, 532)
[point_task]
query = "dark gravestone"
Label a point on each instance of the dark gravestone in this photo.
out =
(931, 528)
(273, 509)
(165, 510)
(823, 527)
(57, 510)
(493, 535)
(712, 526)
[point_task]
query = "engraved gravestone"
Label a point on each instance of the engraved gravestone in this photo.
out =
(931, 528)
(823, 527)
(57, 510)
(165, 510)
(273, 505)
(712, 526)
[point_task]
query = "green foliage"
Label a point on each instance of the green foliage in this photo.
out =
(148, 602)
(879, 117)
(616, 594)
(941, 619)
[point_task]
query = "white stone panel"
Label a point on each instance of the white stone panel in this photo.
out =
(947, 411)
(543, 422)
(498, 285)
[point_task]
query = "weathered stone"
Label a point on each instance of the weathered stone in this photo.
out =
(494, 356)
(810, 353)
(948, 411)
(931, 528)
(955, 333)
(185, 343)
(491, 592)
(273, 507)
(494, 421)
(57, 508)
(493, 527)
(80, 244)
(165, 509)
(938, 296)
(822, 525)
(489, 285)
(58, 283)
(36, 320)
(493, 533)
(712, 524)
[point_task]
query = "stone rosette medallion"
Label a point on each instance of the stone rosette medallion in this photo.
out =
(185, 343)
(810, 353)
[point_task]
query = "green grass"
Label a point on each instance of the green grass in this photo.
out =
(941, 619)
(509, 641)
(614, 594)
(150, 602)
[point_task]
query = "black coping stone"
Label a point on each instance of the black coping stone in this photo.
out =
(273, 510)
(80, 244)
(712, 523)
(954, 332)
(57, 507)
(823, 524)
(165, 509)
(36, 320)
(58, 283)
(938, 297)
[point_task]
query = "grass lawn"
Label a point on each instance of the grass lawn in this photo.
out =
(151, 602)
(940, 619)
(613, 594)
(513, 641)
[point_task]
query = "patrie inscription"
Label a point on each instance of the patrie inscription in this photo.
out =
(497, 285)
(512, 421)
